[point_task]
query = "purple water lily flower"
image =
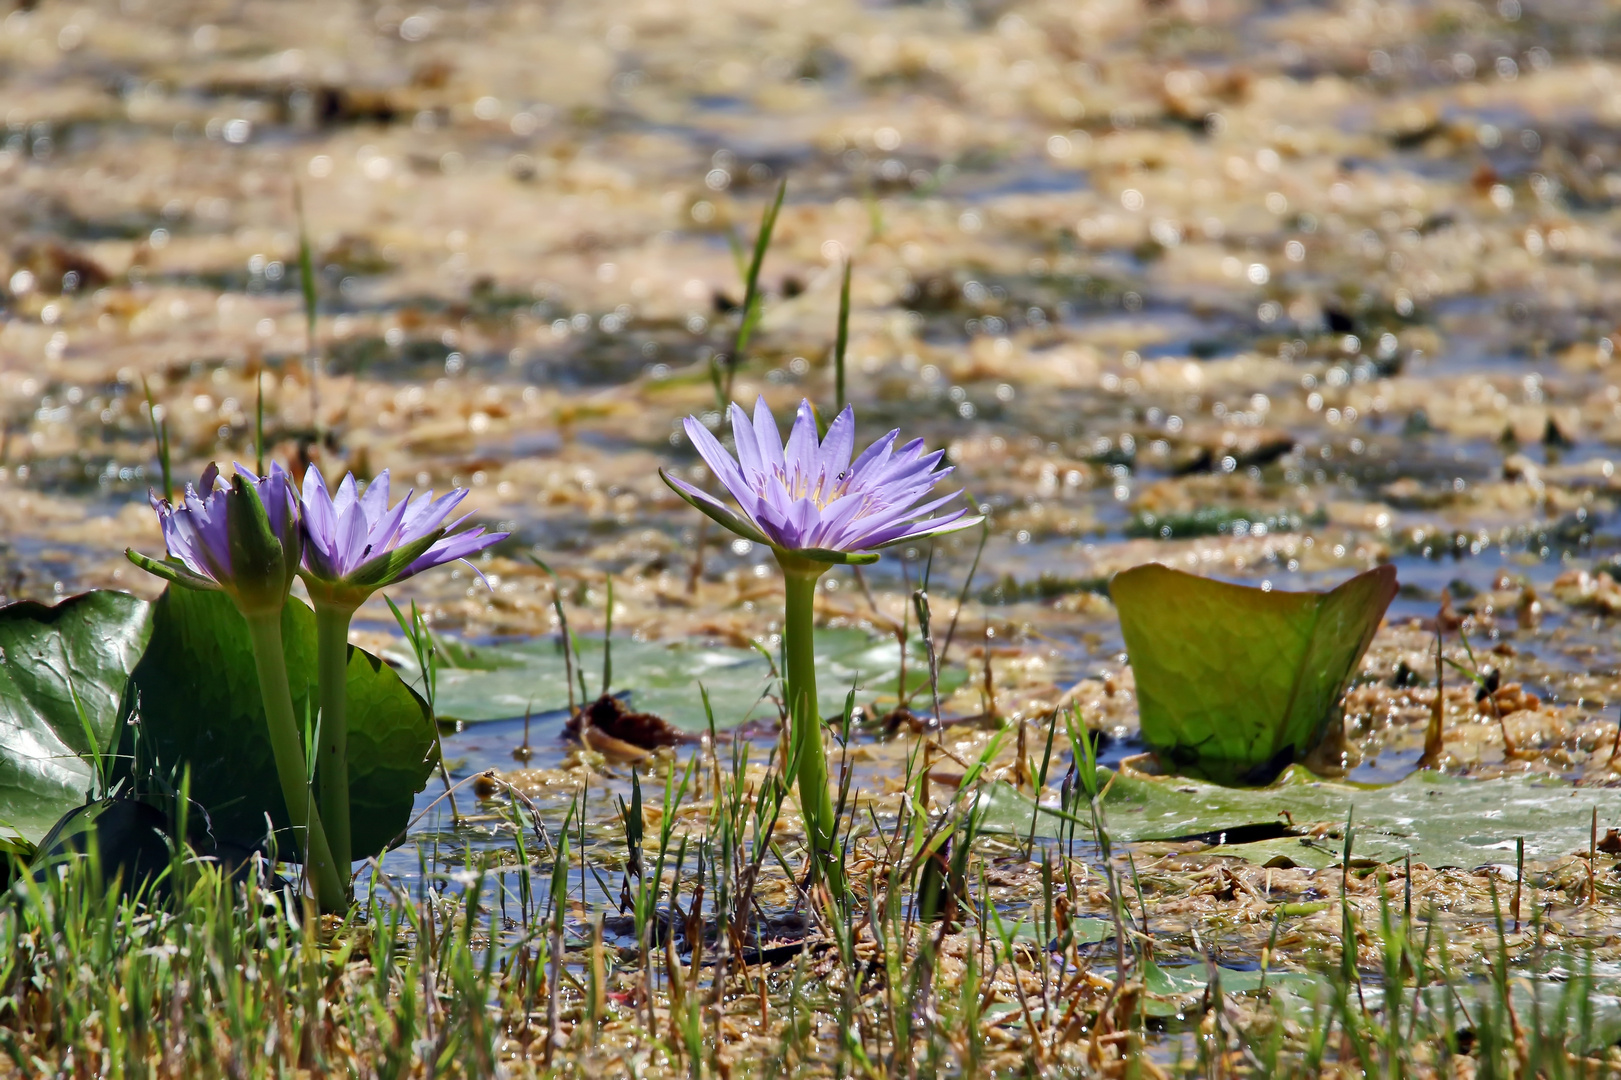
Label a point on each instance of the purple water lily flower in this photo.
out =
(197, 532)
(242, 538)
(358, 542)
(810, 497)
(355, 544)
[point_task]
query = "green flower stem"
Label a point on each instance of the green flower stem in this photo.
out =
(799, 628)
(332, 775)
(286, 746)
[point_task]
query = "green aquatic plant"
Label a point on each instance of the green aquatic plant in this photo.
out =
(64, 672)
(193, 702)
(356, 544)
(1235, 683)
(249, 542)
(815, 508)
(245, 540)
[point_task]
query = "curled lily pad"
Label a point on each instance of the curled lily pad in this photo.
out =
(1235, 683)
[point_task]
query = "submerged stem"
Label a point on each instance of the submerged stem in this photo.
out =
(271, 662)
(332, 775)
(799, 645)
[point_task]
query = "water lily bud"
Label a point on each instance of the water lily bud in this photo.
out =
(244, 540)
(262, 562)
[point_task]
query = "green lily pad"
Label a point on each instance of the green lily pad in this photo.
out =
(1553, 1007)
(1083, 929)
(1172, 991)
(1438, 819)
(1306, 851)
(1234, 683)
(663, 678)
(62, 674)
(455, 654)
(196, 693)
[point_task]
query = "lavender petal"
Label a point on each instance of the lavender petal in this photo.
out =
(768, 439)
(455, 547)
(951, 522)
(715, 456)
(839, 444)
(749, 461)
(375, 500)
(800, 454)
(874, 456)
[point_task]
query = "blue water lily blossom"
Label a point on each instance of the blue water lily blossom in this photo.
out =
(243, 537)
(815, 503)
(355, 544)
(810, 496)
(246, 540)
(356, 540)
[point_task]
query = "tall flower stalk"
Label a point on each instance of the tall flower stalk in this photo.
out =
(245, 540)
(815, 508)
(354, 545)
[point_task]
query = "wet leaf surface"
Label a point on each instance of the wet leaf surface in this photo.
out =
(1438, 819)
(663, 679)
(1235, 682)
(197, 694)
(63, 673)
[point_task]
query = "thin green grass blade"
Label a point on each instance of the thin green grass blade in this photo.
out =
(259, 425)
(842, 342)
(160, 436)
(751, 293)
(306, 281)
(608, 640)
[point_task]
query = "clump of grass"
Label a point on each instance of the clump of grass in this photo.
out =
(678, 932)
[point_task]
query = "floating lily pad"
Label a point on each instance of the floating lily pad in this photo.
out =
(1234, 683)
(1552, 1006)
(1174, 990)
(62, 674)
(663, 678)
(197, 695)
(1439, 820)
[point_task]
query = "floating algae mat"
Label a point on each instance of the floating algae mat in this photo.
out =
(1439, 820)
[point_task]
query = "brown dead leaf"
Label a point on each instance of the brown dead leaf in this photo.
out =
(608, 717)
